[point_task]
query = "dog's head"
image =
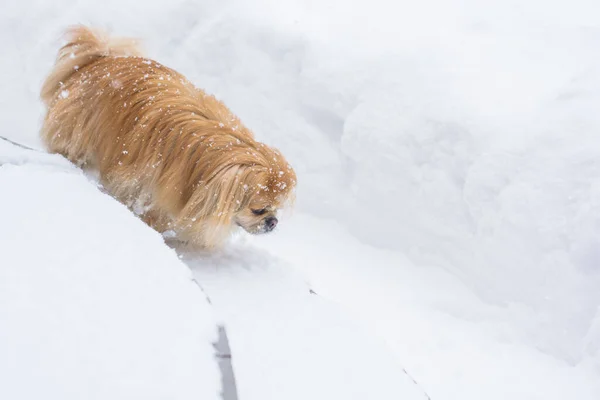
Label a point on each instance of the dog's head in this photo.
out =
(265, 192)
(239, 183)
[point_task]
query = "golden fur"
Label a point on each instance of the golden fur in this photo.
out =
(174, 154)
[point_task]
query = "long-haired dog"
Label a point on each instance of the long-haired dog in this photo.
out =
(175, 155)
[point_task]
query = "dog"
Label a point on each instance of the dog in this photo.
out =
(175, 155)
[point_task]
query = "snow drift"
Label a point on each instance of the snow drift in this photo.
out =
(92, 304)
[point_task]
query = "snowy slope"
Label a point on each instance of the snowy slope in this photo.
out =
(451, 145)
(92, 304)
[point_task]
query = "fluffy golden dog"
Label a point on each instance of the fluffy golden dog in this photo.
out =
(175, 155)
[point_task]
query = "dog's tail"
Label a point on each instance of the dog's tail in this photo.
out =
(83, 47)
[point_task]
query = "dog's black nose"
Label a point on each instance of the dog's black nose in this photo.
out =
(270, 223)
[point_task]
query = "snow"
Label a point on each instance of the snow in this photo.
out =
(454, 345)
(92, 304)
(289, 343)
(448, 167)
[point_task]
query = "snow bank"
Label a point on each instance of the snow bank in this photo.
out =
(464, 137)
(92, 304)
(454, 345)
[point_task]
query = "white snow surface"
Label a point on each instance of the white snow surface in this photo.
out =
(287, 341)
(448, 163)
(92, 304)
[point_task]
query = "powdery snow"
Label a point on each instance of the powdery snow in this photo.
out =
(288, 342)
(454, 345)
(92, 304)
